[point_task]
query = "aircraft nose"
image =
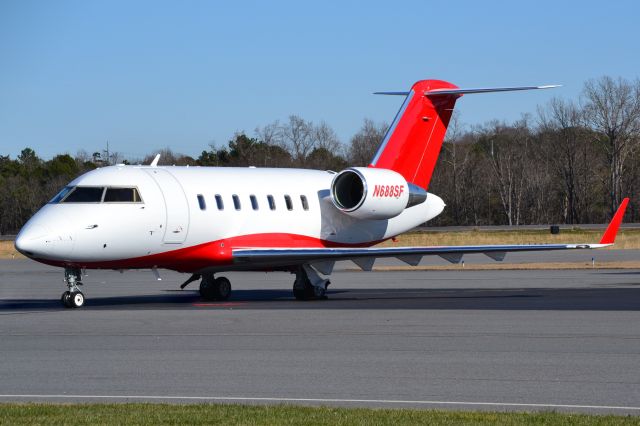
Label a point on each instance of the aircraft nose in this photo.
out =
(30, 240)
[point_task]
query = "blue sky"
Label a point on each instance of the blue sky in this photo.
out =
(145, 75)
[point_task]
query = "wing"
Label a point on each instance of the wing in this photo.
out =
(364, 257)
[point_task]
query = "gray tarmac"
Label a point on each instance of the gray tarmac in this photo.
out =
(489, 340)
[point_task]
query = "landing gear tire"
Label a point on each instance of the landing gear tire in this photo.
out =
(303, 289)
(215, 289)
(66, 299)
(222, 288)
(76, 299)
(72, 299)
(206, 288)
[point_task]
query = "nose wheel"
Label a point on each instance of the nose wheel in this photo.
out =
(215, 288)
(72, 298)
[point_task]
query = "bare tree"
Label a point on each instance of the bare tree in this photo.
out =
(365, 143)
(324, 137)
(82, 156)
(455, 157)
(506, 148)
(271, 134)
(612, 110)
(564, 140)
(297, 136)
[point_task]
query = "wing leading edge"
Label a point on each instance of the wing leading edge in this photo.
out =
(412, 255)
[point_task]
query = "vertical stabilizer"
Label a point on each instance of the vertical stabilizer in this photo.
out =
(412, 143)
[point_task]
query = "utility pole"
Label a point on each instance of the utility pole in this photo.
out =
(107, 155)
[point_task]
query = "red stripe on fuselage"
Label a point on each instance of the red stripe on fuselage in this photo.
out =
(214, 253)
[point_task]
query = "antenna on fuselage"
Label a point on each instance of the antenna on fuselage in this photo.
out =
(154, 163)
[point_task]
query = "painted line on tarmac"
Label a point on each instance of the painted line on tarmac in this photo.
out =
(324, 400)
(219, 305)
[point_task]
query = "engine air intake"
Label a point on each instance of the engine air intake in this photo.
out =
(368, 193)
(348, 190)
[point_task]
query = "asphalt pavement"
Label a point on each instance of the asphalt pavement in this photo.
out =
(499, 340)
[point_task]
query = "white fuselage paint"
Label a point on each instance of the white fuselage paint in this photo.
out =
(170, 218)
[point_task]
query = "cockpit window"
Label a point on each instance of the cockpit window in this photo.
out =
(84, 194)
(122, 195)
(61, 194)
(97, 194)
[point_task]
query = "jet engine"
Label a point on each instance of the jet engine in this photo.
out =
(368, 193)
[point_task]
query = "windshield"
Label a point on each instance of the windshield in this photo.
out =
(97, 194)
(85, 194)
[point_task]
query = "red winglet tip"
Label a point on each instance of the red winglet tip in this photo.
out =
(609, 236)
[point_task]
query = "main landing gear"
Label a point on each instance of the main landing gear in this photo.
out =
(309, 285)
(215, 288)
(72, 298)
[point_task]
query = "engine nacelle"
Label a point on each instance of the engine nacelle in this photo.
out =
(367, 193)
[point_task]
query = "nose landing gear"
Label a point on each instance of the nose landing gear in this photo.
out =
(72, 298)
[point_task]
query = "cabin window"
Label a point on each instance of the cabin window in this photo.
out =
(219, 202)
(201, 202)
(122, 195)
(254, 202)
(236, 202)
(85, 194)
(287, 201)
(272, 202)
(305, 203)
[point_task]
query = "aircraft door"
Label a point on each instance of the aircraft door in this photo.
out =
(176, 206)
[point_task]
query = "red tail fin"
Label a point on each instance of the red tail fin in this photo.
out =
(412, 143)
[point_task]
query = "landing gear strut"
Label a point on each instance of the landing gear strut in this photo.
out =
(72, 298)
(309, 284)
(215, 288)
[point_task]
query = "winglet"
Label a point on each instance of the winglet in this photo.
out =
(609, 235)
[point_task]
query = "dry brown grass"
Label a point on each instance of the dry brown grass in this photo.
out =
(8, 251)
(627, 239)
(500, 266)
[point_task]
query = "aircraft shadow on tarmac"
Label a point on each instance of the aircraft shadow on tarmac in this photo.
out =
(573, 299)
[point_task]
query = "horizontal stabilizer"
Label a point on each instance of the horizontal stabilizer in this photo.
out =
(392, 93)
(486, 90)
(433, 92)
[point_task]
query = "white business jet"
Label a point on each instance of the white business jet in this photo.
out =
(206, 220)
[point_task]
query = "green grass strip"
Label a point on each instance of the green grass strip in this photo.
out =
(232, 414)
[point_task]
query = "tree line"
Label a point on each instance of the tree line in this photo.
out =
(572, 162)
